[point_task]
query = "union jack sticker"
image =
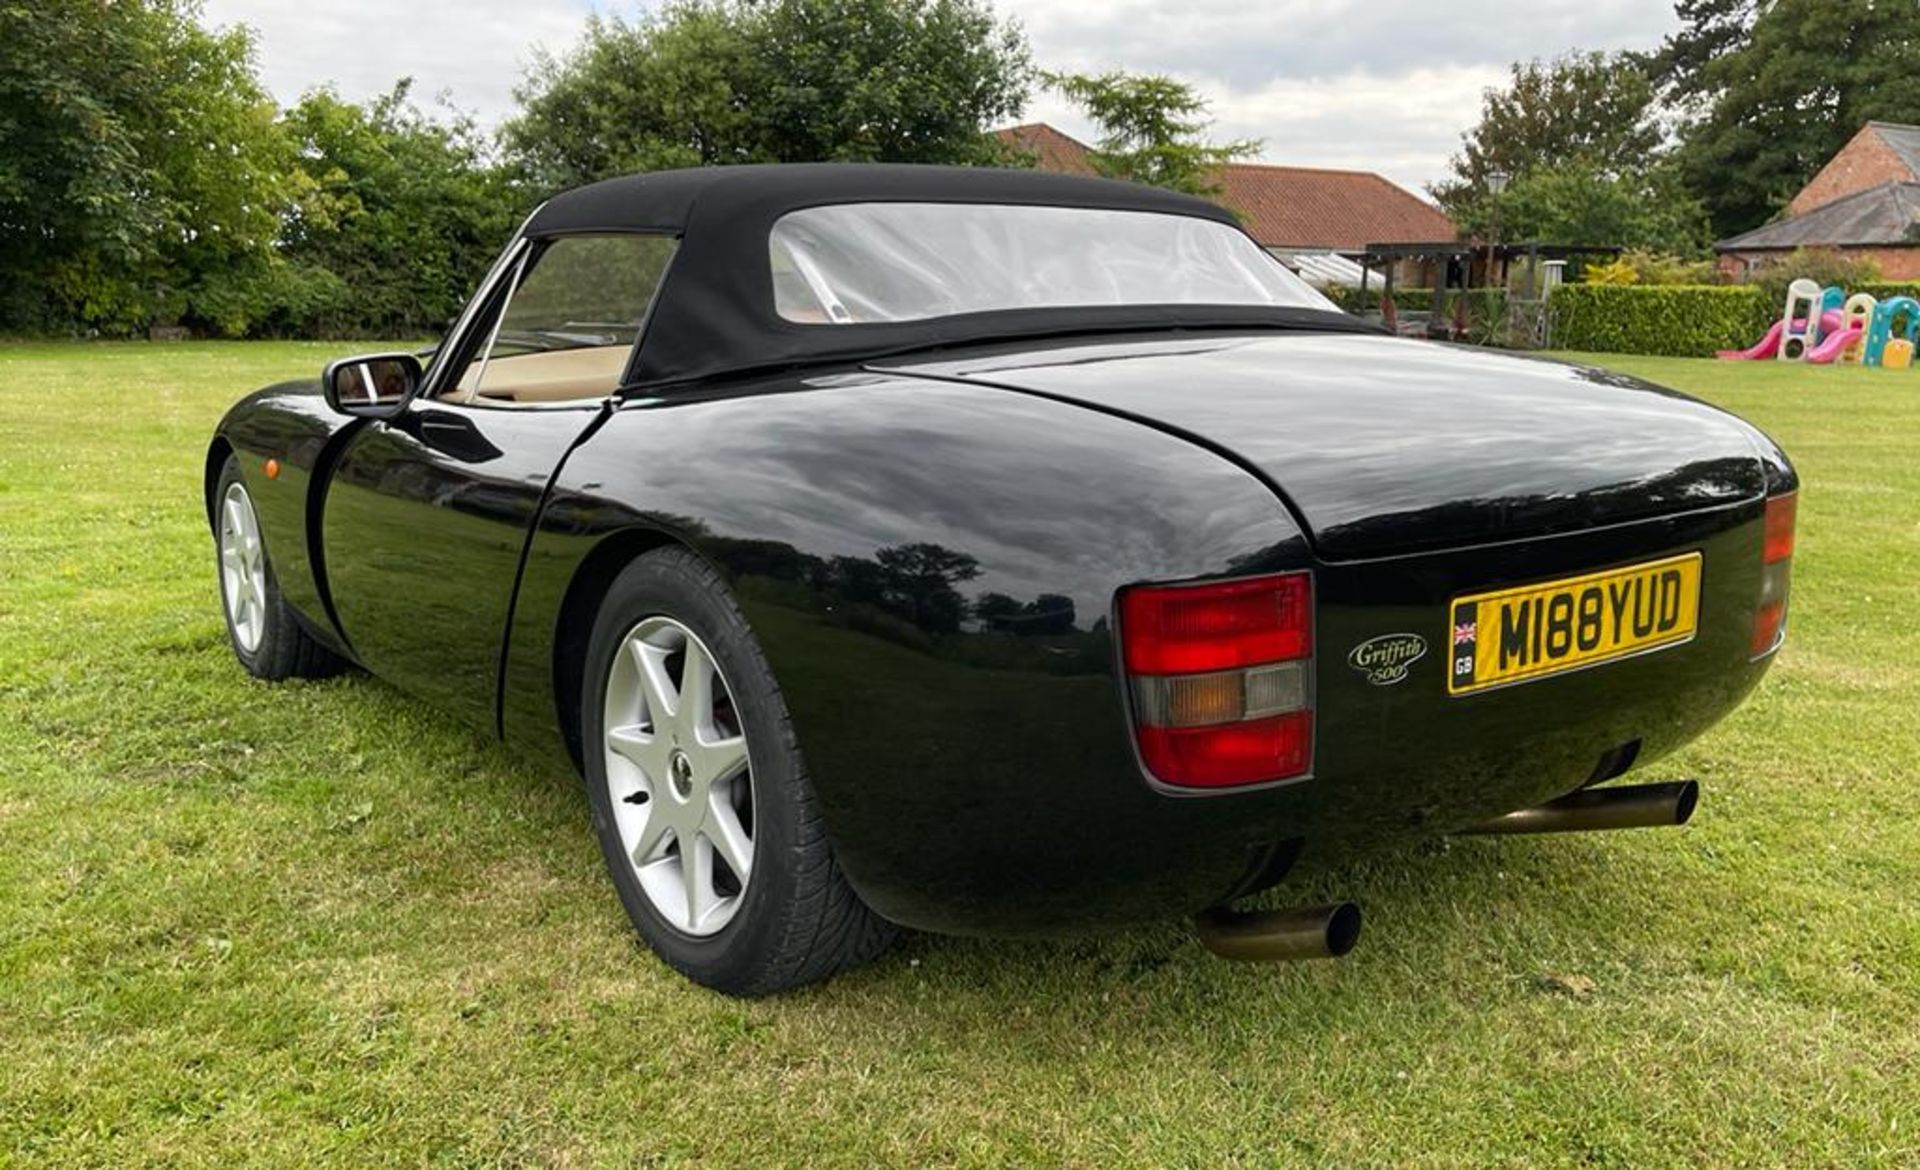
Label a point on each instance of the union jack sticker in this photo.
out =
(1466, 641)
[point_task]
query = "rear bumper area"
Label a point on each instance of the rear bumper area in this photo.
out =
(1012, 805)
(1410, 759)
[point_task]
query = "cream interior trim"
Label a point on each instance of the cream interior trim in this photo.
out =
(560, 375)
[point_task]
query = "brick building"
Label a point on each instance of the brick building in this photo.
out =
(1306, 216)
(1865, 203)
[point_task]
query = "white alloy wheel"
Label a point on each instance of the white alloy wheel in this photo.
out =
(243, 568)
(679, 779)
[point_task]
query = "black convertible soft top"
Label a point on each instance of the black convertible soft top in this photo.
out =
(715, 315)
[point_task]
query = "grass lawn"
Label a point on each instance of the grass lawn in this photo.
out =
(317, 924)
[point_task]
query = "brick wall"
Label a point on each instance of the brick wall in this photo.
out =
(1894, 263)
(1862, 163)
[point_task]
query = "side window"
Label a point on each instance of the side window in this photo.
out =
(570, 321)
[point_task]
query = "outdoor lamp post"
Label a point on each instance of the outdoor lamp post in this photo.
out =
(1496, 185)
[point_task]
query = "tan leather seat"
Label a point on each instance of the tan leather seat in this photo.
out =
(561, 375)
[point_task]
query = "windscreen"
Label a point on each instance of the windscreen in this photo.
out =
(860, 263)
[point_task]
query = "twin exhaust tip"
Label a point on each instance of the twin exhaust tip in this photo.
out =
(1272, 936)
(1628, 806)
(1327, 932)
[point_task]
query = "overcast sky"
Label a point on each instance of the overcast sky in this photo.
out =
(1382, 85)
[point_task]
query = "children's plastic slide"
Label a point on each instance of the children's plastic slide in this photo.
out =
(1833, 344)
(1765, 348)
(1835, 337)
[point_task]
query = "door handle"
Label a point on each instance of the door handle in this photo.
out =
(456, 437)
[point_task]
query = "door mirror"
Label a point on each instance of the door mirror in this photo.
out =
(374, 386)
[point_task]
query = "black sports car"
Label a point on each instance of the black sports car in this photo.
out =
(997, 552)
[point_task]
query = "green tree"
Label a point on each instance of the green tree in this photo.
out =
(1152, 130)
(1776, 89)
(732, 81)
(394, 216)
(1593, 112)
(1708, 29)
(1578, 203)
(1579, 140)
(140, 167)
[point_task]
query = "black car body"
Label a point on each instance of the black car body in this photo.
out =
(931, 528)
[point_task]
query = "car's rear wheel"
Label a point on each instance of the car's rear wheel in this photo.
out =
(700, 798)
(267, 639)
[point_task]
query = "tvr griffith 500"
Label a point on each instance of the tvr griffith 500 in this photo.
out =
(998, 553)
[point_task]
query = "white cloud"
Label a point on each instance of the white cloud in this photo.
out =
(1384, 85)
(473, 51)
(1362, 121)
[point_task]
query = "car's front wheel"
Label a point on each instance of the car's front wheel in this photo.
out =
(267, 639)
(699, 795)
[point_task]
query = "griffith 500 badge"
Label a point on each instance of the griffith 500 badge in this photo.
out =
(1384, 660)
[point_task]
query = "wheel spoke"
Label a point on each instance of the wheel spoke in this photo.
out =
(695, 707)
(249, 523)
(696, 860)
(236, 518)
(643, 750)
(647, 844)
(662, 699)
(719, 760)
(729, 836)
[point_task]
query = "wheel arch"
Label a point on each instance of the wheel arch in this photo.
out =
(573, 625)
(218, 452)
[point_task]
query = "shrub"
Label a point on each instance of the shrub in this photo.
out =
(1620, 271)
(1668, 320)
(273, 299)
(1662, 268)
(1487, 319)
(1407, 300)
(1884, 289)
(1823, 266)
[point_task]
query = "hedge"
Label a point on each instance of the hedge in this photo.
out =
(1674, 320)
(1889, 288)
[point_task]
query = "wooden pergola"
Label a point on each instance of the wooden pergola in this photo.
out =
(1448, 256)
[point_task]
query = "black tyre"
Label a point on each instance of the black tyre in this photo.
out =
(700, 798)
(267, 639)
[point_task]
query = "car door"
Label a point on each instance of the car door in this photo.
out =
(425, 516)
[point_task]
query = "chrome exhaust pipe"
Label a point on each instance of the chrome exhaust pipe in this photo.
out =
(1632, 806)
(1272, 936)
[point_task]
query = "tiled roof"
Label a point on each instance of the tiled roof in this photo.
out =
(1301, 207)
(1284, 207)
(1887, 214)
(1054, 151)
(1903, 141)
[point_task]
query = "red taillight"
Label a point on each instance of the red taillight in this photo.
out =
(1769, 622)
(1231, 754)
(1779, 527)
(1776, 575)
(1189, 628)
(1219, 675)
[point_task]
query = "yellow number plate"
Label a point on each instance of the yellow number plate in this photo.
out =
(1518, 635)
